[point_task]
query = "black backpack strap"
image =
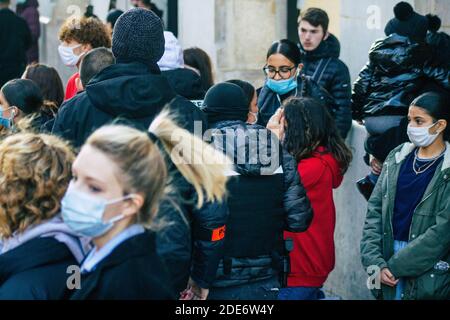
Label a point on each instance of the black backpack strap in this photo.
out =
(323, 70)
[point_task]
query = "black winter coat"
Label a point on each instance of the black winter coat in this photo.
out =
(269, 101)
(186, 244)
(324, 66)
(121, 91)
(396, 72)
(440, 48)
(262, 202)
(35, 270)
(15, 39)
(133, 271)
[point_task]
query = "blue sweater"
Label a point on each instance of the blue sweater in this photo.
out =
(410, 190)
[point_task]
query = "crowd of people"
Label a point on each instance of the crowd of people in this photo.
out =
(155, 182)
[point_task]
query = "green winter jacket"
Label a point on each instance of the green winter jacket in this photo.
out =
(429, 238)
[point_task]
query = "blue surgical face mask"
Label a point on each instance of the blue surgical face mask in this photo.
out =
(6, 122)
(84, 213)
(282, 86)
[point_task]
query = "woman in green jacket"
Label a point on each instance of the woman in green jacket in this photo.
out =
(406, 236)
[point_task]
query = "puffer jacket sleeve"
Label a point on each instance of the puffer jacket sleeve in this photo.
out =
(207, 253)
(299, 212)
(174, 240)
(440, 74)
(371, 246)
(361, 91)
(341, 91)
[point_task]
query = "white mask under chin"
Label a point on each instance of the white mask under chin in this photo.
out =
(420, 136)
(67, 56)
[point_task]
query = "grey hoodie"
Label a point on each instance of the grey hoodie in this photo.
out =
(56, 228)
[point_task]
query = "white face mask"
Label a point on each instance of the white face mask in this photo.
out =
(420, 136)
(69, 58)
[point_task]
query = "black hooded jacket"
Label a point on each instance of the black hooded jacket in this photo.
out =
(324, 66)
(266, 197)
(397, 70)
(35, 270)
(127, 91)
(185, 243)
(186, 83)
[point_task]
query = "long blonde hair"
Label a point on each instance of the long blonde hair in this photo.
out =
(144, 169)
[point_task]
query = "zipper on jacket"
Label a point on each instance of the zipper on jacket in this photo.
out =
(389, 204)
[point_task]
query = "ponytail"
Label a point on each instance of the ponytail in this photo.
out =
(200, 164)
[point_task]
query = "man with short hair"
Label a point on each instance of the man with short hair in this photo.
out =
(15, 39)
(95, 61)
(320, 57)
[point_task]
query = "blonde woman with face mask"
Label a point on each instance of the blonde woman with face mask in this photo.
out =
(407, 231)
(119, 178)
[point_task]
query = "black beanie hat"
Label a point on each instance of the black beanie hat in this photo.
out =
(225, 101)
(113, 15)
(138, 36)
(407, 23)
(23, 94)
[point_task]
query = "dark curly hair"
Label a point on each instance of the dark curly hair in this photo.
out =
(85, 31)
(310, 125)
(35, 170)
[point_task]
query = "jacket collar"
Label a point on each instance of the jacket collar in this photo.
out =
(409, 147)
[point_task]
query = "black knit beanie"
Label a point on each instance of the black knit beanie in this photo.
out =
(225, 101)
(138, 36)
(407, 23)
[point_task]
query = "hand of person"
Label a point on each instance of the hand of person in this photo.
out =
(387, 278)
(194, 292)
(376, 165)
(276, 123)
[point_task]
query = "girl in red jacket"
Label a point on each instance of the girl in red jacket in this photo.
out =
(308, 132)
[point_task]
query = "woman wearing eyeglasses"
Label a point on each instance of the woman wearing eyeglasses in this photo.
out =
(284, 79)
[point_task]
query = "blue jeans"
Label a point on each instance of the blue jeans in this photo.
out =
(260, 290)
(399, 245)
(301, 293)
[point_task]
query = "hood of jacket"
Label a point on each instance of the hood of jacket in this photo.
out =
(254, 150)
(173, 53)
(329, 48)
(129, 89)
(409, 147)
(396, 54)
(187, 83)
(53, 228)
